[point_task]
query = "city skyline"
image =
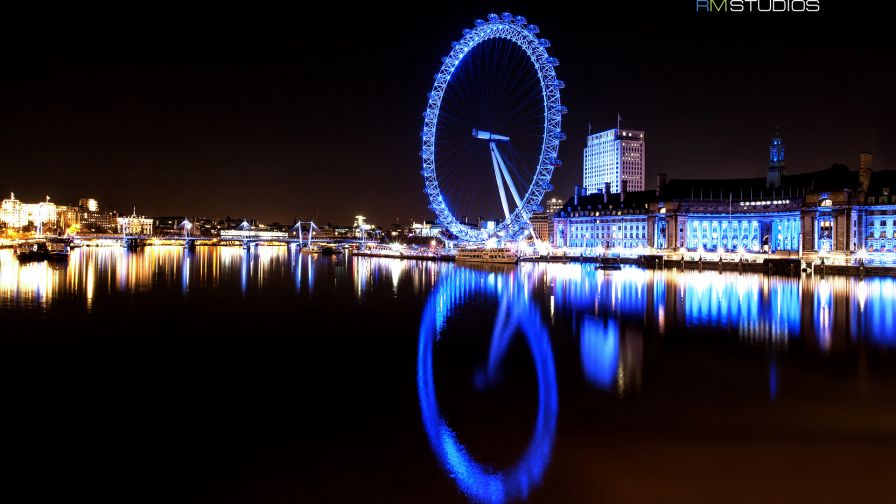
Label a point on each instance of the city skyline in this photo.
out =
(259, 127)
(379, 254)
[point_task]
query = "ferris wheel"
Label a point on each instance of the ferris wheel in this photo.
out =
(491, 130)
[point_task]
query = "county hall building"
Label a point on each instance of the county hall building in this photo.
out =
(835, 211)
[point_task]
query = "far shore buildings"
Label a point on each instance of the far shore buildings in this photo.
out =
(543, 222)
(94, 219)
(134, 225)
(16, 214)
(830, 211)
(48, 216)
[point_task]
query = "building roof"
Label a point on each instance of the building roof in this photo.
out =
(880, 180)
(836, 178)
(615, 201)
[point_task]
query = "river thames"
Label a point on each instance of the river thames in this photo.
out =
(270, 375)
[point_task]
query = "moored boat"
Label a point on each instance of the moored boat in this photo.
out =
(487, 255)
(609, 263)
(31, 250)
(59, 248)
(329, 250)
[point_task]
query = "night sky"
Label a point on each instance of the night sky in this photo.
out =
(279, 115)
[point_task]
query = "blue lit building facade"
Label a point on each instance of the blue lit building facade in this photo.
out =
(835, 212)
(604, 221)
(750, 215)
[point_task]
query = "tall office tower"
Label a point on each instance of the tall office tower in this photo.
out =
(614, 156)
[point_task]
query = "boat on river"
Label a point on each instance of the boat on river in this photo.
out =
(487, 255)
(59, 248)
(31, 250)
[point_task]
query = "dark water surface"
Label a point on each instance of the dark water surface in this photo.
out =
(271, 376)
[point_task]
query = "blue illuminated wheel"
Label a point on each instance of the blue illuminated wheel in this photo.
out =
(491, 130)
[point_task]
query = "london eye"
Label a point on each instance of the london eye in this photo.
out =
(491, 130)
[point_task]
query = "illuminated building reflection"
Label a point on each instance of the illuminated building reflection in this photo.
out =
(31, 284)
(825, 314)
(600, 351)
(517, 313)
(93, 273)
(761, 310)
(822, 307)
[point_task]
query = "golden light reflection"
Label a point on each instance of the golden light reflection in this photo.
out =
(27, 284)
(396, 266)
(830, 313)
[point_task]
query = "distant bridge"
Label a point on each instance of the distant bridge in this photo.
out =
(245, 239)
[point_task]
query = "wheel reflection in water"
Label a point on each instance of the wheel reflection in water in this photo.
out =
(517, 311)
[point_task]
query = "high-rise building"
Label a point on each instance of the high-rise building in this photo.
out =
(543, 222)
(12, 213)
(40, 214)
(613, 157)
(94, 220)
(553, 205)
(16, 214)
(542, 225)
(89, 204)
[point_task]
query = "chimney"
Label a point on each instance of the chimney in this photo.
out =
(575, 195)
(606, 192)
(864, 170)
(624, 189)
(660, 182)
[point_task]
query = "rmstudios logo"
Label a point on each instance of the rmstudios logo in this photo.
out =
(758, 5)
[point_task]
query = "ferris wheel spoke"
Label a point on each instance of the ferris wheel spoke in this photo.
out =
(497, 155)
(500, 183)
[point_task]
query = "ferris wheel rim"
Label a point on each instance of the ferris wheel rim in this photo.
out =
(516, 30)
